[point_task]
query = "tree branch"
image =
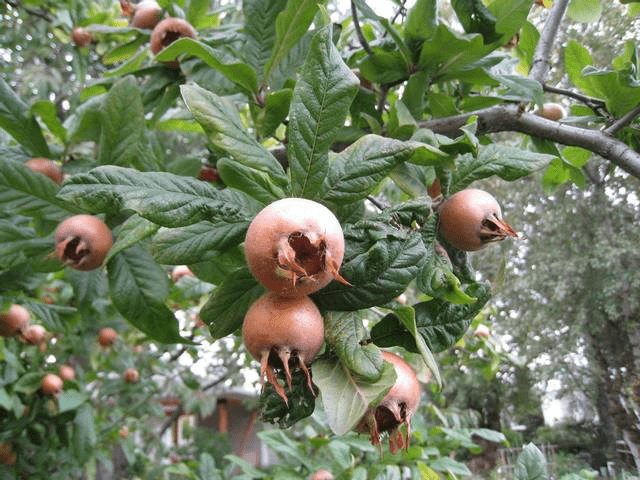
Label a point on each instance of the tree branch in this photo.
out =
(593, 103)
(541, 58)
(356, 25)
(509, 118)
(42, 13)
(623, 121)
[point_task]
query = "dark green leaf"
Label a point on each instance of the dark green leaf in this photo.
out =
(139, 288)
(19, 244)
(124, 143)
(301, 402)
(421, 21)
(251, 167)
(260, 29)
(70, 400)
(16, 120)
(356, 171)
(84, 432)
(225, 309)
(291, 25)
(319, 107)
(475, 17)
(379, 262)
(163, 198)
(131, 231)
(197, 242)
(30, 193)
(508, 163)
(347, 336)
(49, 115)
(439, 322)
(239, 73)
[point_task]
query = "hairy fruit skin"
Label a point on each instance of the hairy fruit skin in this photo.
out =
(82, 242)
(396, 408)
(168, 31)
(283, 332)
(46, 167)
(107, 336)
(51, 384)
(147, 14)
(471, 219)
(294, 247)
(34, 334)
(14, 320)
(66, 372)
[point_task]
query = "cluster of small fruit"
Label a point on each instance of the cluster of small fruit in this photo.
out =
(295, 247)
(146, 15)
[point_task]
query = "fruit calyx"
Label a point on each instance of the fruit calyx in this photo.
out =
(494, 229)
(305, 254)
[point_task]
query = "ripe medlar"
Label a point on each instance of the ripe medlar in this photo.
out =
(46, 167)
(107, 336)
(14, 320)
(168, 31)
(51, 384)
(83, 241)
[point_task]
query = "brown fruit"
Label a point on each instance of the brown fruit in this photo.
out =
(168, 31)
(322, 475)
(131, 375)
(180, 271)
(34, 334)
(284, 333)
(83, 241)
(51, 384)
(396, 407)
(124, 432)
(294, 247)
(81, 37)
(67, 373)
(435, 189)
(471, 219)
(551, 111)
(147, 14)
(107, 336)
(7, 455)
(14, 320)
(46, 167)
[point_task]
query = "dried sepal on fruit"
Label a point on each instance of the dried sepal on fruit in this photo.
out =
(472, 219)
(295, 246)
(82, 242)
(283, 333)
(396, 408)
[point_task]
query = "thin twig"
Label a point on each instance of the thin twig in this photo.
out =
(356, 24)
(591, 102)
(623, 121)
(40, 13)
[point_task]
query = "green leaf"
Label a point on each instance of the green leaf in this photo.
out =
(510, 15)
(531, 464)
(29, 383)
(508, 163)
(239, 73)
(16, 120)
(585, 11)
(131, 231)
(139, 288)
(475, 17)
(124, 51)
(407, 316)
(207, 468)
(291, 25)
(380, 261)
(576, 58)
(124, 143)
(450, 466)
(70, 400)
(84, 433)
(345, 397)
(163, 198)
(301, 403)
(49, 115)
(440, 323)
(19, 243)
(319, 107)
(260, 29)
(29, 193)
(229, 302)
(421, 21)
(197, 242)
(347, 336)
(251, 167)
(275, 111)
(356, 171)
